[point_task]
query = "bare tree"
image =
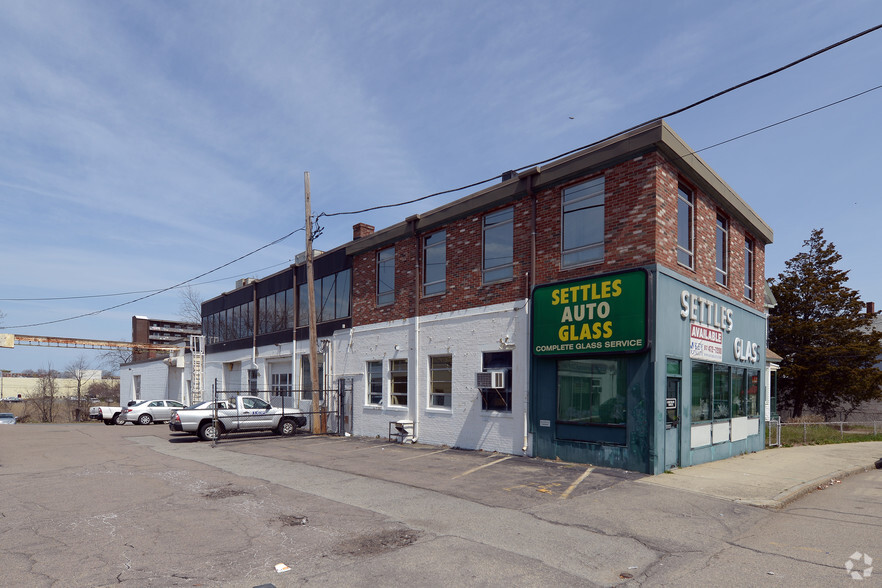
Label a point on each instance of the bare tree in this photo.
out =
(111, 359)
(190, 307)
(79, 371)
(45, 391)
(107, 390)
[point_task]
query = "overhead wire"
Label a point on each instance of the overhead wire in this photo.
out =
(115, 294)
(157, 292)
(629, 129)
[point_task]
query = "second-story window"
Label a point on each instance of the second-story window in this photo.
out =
(748, 268)
(331, 298)
(582, 223)
(386, 276)
(722, 247)
(685, 231)
(435, 263)
(498, 245)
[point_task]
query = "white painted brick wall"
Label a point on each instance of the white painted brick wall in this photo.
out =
(465, 335)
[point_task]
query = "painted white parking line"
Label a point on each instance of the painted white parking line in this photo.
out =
(576, 483)
(424, 454)
(481, 467)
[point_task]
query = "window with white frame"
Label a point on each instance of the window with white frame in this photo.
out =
(136, 387)
(435, 263)
(441, 381)
(252, 380)
(498, 245)
(685, 228)
(582, 222)
(748, 268)
(386, 276)
(375, 382)
(282, 383)
(398, 382)
(722, 250)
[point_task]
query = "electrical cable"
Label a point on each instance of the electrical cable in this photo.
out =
(87, 296)
(613, 136)
(95, 312)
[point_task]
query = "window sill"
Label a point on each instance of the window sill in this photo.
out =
(439, 410)
(497, 414)
(372, 406)
(691, 269)
(396, 407)
(497, 282)
(385, 304)
(435, 295)
(564, 267)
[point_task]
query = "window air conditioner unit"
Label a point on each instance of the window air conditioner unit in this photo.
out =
(492, 379)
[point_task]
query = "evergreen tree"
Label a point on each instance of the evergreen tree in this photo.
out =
(822, 331)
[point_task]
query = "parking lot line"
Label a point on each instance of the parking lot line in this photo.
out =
(424, 454)
(575, 483)
(480, 467)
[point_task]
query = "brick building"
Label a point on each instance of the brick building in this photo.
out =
(604, 308)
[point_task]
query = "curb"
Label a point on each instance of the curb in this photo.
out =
(784, 498)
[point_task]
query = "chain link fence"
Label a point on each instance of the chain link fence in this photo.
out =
(781, 434)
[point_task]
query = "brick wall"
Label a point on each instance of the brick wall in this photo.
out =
(640, 229)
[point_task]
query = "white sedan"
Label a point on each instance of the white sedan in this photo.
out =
(150, 411)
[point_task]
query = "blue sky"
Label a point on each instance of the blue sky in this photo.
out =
(144, 143)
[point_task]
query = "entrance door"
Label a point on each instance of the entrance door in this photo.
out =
(672, 423)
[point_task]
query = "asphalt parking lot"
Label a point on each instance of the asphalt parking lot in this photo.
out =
(89, 505)
(491, 479)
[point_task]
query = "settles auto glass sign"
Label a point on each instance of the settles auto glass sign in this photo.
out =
(599, 315)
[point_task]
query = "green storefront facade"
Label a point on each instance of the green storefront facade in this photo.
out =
(644, 370)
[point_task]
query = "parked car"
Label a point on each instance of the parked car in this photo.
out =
(248, 413)
(175, 424)
(150, 411)
(7, 418)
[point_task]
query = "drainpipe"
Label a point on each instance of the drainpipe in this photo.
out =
(529, 176)
(416, 327)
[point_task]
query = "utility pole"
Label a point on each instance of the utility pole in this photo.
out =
(317, 420)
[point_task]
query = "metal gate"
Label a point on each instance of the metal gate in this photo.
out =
(340, 408)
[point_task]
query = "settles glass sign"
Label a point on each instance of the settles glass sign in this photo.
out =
(603, 314)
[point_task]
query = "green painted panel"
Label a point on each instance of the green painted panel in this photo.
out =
(605, 314)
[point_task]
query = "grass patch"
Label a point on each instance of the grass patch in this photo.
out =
(821, 434)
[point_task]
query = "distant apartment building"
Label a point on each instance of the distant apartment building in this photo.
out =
(160, 332)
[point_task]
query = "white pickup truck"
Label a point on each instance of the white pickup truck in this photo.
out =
(109, 414)
(249, 413)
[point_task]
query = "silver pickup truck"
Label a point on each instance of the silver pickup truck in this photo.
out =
(248, 413)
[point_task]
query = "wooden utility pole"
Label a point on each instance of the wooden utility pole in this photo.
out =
(317, 421)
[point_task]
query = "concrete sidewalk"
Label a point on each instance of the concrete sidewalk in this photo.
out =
(773, 477)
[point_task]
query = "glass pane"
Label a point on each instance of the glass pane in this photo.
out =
(329, 285)
(701, 391)
(375, 382)
(342, 295)
(386, 276)
(302, 306)
(435, 263)
(289, 308)
(674, 367)
(441, 370)
(398, 377)
(722, 400)
(753, 393)
(498, 244)
(739, 393)
(591, 391)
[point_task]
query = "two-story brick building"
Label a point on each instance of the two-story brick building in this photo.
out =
(604, 308)
(618, 293)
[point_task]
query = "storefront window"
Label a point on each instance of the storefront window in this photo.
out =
(739, 393)
(722, 400)
(591, 391)
(701, 391)
(753, 377)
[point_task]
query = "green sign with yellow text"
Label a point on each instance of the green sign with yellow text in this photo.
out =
(606, 314)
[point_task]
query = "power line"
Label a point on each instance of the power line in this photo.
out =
(93, 313)
(637, 126)
(87, 296)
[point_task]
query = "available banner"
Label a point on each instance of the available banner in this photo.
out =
(605, 314)
(705, 343)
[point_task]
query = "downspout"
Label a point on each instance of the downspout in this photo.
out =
(416, 327)
(531, 282)
(254, 327)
